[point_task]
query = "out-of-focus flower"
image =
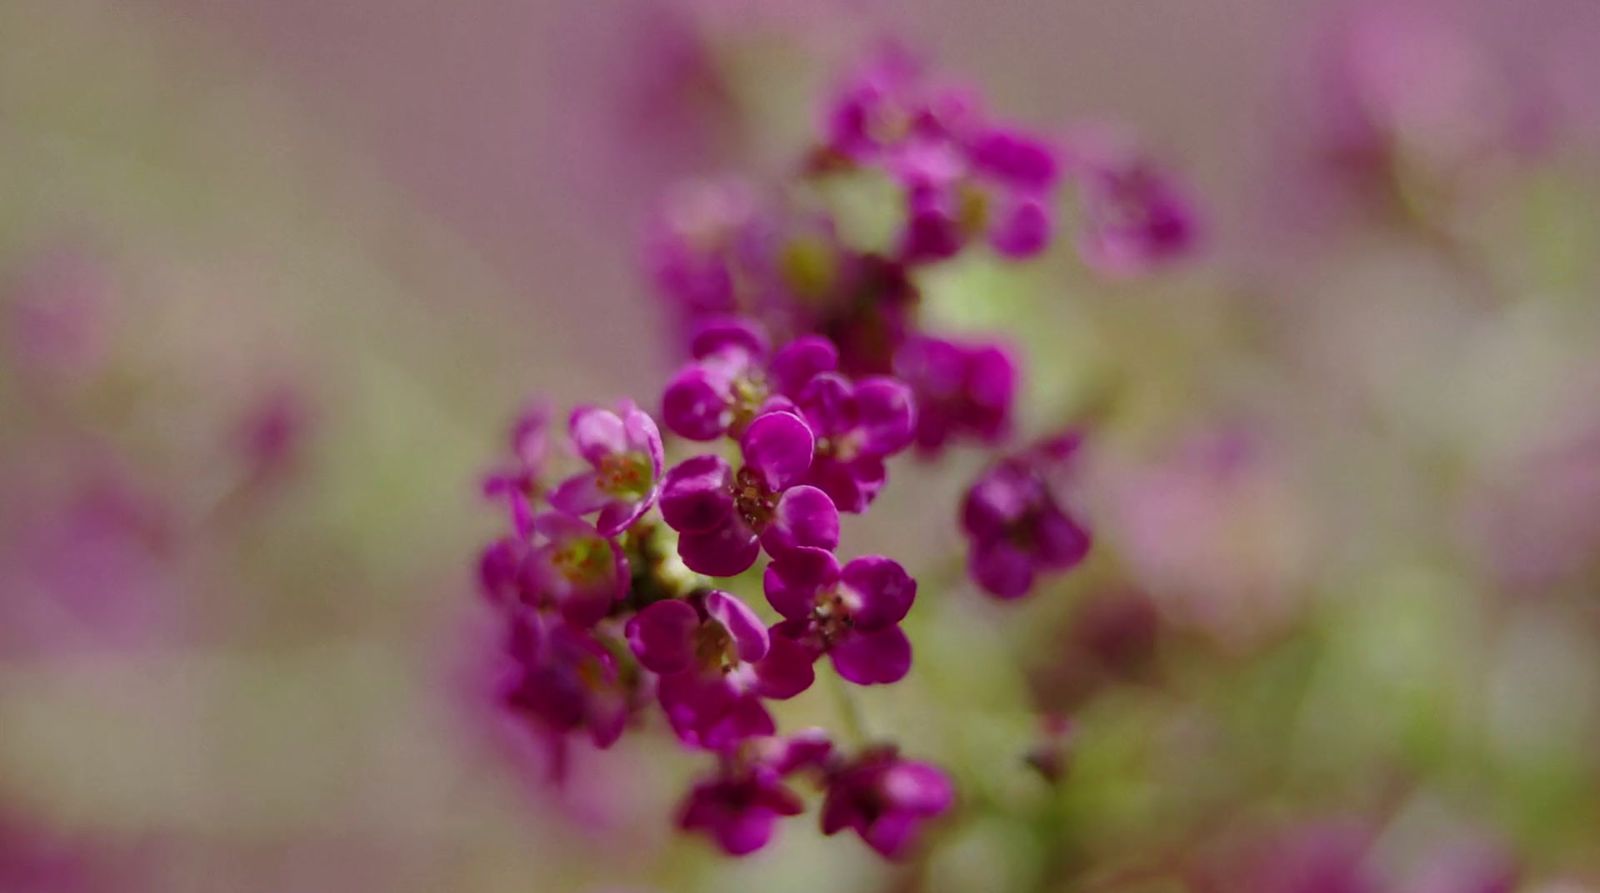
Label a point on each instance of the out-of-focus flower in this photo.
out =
(886, 799)
(851, 613)
(57, 306)
(1410, 90)
(963, 390)
(575, 570)
(1536, 515)
(1017, 529)
(1136, 216)
(701, 248)
(563, 680)
(91, 566)
(519, 482)
(1329, 856)
(740, 804)
(1466, 866)
(1216, 532)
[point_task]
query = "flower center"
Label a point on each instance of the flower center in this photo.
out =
(749, 391)
(807, 265)
(584, 560)
(625, 474)
(713, 647)
(831, 617)
(972, 208)
(754, 502)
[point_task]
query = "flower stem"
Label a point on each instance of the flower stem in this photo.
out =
(849, 711)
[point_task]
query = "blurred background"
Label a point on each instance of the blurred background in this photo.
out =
(275, 276)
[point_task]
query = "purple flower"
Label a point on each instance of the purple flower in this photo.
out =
(857, 427)
(996, 186)
(625, 453)
(1136, 215)
(695, 247)
(731, 381)
(565, 680)
(1016, 529)
(724, 518)
(852, 613)
(519, 482)
(715, 661)
(962, 390)
(58, 313)
(574, 570)
(740, 804)
(887, 103)
(739, 808)
(886, 800)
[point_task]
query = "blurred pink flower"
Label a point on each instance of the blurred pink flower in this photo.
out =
(1216, 533)
(56, 308)
(86, 565)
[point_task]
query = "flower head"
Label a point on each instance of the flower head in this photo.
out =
(851, 613)
(565, 680)
(1017, 529)
(724, 517)
(740, 804)
(886, 800)
(1137, 217)
(962, 390)
(625, 454)
(715, 660)
(573, 569)
(857, 426)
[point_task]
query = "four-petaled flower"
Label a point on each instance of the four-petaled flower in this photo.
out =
(886, 800)
(624, 451)
(857, 426)
(574, 569)
(1017, 529)
(962, 390)
(851, 613)
(740, 804)
(724, 516)
(715, 661)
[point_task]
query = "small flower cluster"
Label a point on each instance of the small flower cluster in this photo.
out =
(808, 371)
(603, 580)
(964, 179)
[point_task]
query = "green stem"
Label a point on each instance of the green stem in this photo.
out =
(849, 711)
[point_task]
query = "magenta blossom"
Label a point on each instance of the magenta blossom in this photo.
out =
(888, 104)
(715, 660)
(886, 800)
(1136, 216)
(740, 805)
(573, 569)
(857, 427)
(564, 680)
(1016, 528)
(731, 380)
(852, 613)
(625, 452)
(698, 245)
(520, 481)
(963, 391)
(996, 186)
(724, 517)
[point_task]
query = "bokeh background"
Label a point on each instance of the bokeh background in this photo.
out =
(274, 276)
